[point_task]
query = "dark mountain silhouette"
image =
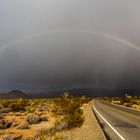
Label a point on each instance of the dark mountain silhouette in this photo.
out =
(13, 94)
(90, 92)
(101, 92)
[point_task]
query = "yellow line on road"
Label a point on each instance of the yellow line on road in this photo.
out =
(126, 113)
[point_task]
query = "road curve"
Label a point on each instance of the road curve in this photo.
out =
(125, 122)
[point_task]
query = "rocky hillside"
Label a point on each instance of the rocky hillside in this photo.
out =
(13, 94)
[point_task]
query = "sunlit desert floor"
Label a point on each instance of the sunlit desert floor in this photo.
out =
(50, 119)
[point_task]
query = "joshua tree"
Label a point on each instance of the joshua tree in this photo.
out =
(66, 94)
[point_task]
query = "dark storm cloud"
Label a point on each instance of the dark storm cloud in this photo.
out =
(49, 44)
(67, 59)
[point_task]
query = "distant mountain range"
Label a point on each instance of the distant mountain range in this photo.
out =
(101, 92)
(13, 94)
(90, 92)
(75, 92)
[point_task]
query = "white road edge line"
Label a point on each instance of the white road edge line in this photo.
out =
(121, 137)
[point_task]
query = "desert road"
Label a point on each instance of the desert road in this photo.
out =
(119, 123)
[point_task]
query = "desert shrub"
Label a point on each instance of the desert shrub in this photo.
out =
(33, 119)
(2, 123)
(75, 120)
(49, 134)
(44, 118)
(1, 106)
(5, 110)
(5, 124)
(47, 131)
(135, 106)
(117, 102)
(61, 125)
(72, 107)
(127, 100)
(11, 137)
(16, 107)
(7, 137)
(24, 126)
(14, 123)
(5, 103)
(16, 104)
(129, 104)
(72, 113)
(85, 100)
(30, 109)
(18, 137)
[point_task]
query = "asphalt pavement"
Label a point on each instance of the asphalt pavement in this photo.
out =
(119, 123)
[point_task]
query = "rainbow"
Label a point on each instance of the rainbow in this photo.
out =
(106, 35)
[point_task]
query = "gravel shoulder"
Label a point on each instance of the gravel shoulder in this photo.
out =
(90, 129)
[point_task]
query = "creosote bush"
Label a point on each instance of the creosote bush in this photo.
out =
(67, 109)
(127, 100)
(16, 107)
(30, 109)
(33, 119)
(70, 107)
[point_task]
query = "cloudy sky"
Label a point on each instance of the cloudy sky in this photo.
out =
(49, 44)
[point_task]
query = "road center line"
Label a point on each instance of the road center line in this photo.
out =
(126, 113)
(121, 137)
